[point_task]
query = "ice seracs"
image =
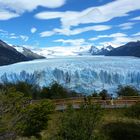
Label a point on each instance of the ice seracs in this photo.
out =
(84, 74)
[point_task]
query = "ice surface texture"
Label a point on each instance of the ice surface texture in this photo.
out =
(83, 74)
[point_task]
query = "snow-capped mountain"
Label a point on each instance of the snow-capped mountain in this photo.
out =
(94, 50)
(72, 51)
(105, 50)
(62, 51)
(9, 55)
(129, 49)
(109, 48)
(28, 53)
(100, 51)
(12, 54)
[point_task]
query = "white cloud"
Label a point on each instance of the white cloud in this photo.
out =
(5, 15)
(33, 30)
(47, 33)
(18, 7)
(62, 51)
(14, 37)
(23, 37)
(116, 39)
(115, 35)
(136, 18)
(84, 29)
(136, 34)
(119, 41)
(3, 33)
(116, 42)
(68, 32)
(8, 35)
(127, 25)
(94, 38)
(68, 47)
(72, 42)
(49, 15)
(104, 13)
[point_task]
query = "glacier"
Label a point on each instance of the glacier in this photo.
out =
(83, 74)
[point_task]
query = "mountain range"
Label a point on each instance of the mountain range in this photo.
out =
(28, 53)
(12, 54)
(129, 49)
(103, 51)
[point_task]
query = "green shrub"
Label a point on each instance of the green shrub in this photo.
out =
(19, 117)
(95, 94)
(104, 94)
(56, 91)
(34, 118)
(27, 89)
(79, 124)
(121, 131)
(10, 107)
(127, 91)
(133, 111)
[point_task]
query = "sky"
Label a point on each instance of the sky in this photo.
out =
(69, 23)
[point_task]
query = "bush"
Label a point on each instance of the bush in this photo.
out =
(122, 131)
(19, 117)
(133, 111)
(10, 107)
(56, 91)
(127, 91)
(28, 90)
(104, 94)
(95, 94)
(34, 118)
(79, 124)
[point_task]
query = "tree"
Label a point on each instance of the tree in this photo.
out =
(29, 90)
(10, 107)
(79, 125)
(104, 94)
(34, 118)
(95, 94)
(133, 111)
(45, 93)
(19, 117)
(57, 91)
(127, 91)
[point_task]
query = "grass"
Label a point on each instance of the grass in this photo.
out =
(122, 130)
(114, 126)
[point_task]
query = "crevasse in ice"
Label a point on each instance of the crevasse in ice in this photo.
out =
(83, 74)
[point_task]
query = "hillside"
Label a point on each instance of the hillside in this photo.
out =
(129, 49)
(28, 53)
(9, 55)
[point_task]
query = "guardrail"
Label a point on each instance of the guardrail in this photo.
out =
(95, 100)
(61, 104)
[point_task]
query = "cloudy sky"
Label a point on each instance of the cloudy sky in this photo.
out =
(49, 23)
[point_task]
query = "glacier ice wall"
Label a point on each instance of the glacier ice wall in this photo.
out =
(83, 74)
